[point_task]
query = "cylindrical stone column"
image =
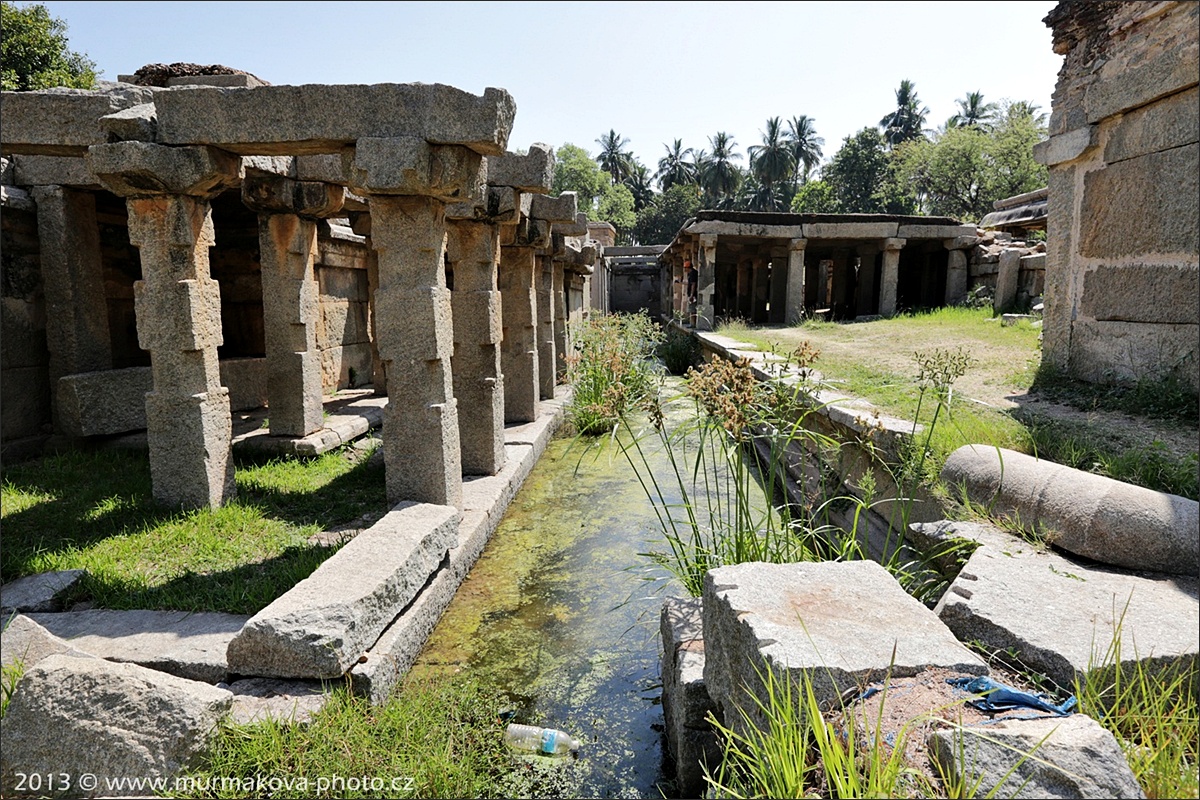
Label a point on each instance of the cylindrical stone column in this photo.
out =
(178, 308)
(519, 356)
(473, 249)
(890, 275)
(416, 340)
(795, 281)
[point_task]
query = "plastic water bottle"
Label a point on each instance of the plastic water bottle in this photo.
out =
(533, 739)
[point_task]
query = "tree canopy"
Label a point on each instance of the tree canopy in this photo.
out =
(34, 53)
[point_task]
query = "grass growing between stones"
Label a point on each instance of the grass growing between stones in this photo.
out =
(437, 737)
(610, 369)
(95, 511)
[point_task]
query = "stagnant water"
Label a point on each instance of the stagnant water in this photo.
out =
(561, 613)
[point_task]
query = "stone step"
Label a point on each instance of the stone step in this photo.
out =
(37, 592)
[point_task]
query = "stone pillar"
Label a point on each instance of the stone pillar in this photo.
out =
(1007, 280)
(287, 241)
(473, 248)
(778, 315)
(956, 275)
(77, 333)
(890, 275)
(706, 279)
(758, 304)
(795, 281)
(744, 301)
(558, 292)
(866, 280)
(547, 348)
(178, 308)
(360, 223)
(519, 355)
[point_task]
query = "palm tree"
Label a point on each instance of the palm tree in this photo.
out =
(638, 182)
(1024, 108)
(771, 163)
(674, 168)
(908, 120)
(972, 111)
(720, 177)
(614, 158)
(806, 148)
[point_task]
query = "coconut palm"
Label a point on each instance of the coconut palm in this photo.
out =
(908, 120)
(1024, 108)
(720, 177)
(638, 183)
(806, 148)
(772, 163)
(614, 158)
(674, 168)
(972, 111)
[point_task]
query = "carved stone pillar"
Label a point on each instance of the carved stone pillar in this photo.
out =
(795, 280)
(890, 275)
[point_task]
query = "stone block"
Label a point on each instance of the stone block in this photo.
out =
(1064, 147)
(1061, 615)
(1105, 352)
(1142, 206)
(935, 231)
(841, 624)
(415, 324)
(1165, 74)
(58, 122)
(266, 193)
(24, 642)
(24, 403)
(1090, 515)
(1007, 278)
(38, 592)
(561, 209)
(264, 119)
(246, 380)
(342, 323)
(53, 171)
(137, 169)
(187, 644)
(1070, 757)
(231, 81)
(1142, 293)
(852, 230)
(578, 228)
(189, 438)
(532, 172)
(1167, 124)
(158, 306)
(411, 166)
(105, 402)
(327, 167)
(691, 740)
(324, 624)
(269, 699)
(111, 722)
(134, 124)
(16, 199)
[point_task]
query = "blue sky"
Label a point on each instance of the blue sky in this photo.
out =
(651, 71)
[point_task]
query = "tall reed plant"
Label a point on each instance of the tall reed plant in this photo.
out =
(610, 368)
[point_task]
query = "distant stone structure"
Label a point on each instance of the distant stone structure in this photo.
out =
(172, 255)
(1123, 267)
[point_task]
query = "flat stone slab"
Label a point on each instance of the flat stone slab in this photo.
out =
(1071, 757)
(25, 642)
(322, 626)
(61, 122)
(93, 719)
(841, 624)
(1061, 614)
(345, 421)
(263, 699)
(189, 645)
(37, 592)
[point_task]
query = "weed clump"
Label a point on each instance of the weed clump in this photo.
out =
(609, 368)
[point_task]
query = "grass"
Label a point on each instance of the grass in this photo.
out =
(610, 369)
(95, 511)
(434, 738)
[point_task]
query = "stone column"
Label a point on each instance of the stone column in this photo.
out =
(558, 292)
(706, 280)
(409, 182)
(778, 313)
(178, 308)
(744, 301)
(890, 275)
(77, 333)
(1007, 280)
(519, 355)
(758, 303)
(866, 279)
(473, 248)
(795, 281)
(956, 277)
(360, 223)
(547, 348)
(287, 241)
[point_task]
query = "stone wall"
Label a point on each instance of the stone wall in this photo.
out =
(343, 337)
(1123, 260)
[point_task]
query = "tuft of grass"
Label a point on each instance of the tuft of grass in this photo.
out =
(610, 369)
(95, 511)
(10, 675)
(679, 351)
(1163, 398)
(434, 738)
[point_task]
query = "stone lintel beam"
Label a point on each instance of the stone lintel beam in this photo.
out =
(532, 172)
(143, 169)
(60, 122)
(502, 204)
(561, 209)
(265, 119)
(53, 171)
(412, 166)
(960, 242)
(265, 193)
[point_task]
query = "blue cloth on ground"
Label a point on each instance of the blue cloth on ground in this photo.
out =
(998, 697)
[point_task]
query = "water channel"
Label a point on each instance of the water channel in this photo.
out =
(561, 613)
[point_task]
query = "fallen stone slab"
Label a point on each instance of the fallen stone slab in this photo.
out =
(686, 703)
(325, 623)
(187, 644)
(263, 121)
(1067, 757)
(1089, 515)
(840, 624)
(263, 699)
(94, 719)
(24, 642)
(1061, 615)
(38, 592)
